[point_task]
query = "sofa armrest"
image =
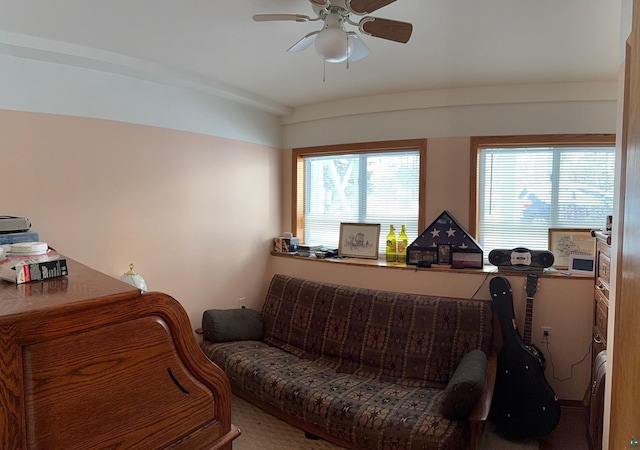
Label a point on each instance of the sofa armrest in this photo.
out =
(480, 412)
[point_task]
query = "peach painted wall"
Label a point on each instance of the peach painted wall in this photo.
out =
(195, 213)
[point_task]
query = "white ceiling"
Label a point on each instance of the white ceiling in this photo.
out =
(216, 45)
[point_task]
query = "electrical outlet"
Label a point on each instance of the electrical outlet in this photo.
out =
(545, 334)
(242, 302)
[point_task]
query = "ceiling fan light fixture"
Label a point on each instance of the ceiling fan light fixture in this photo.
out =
(333, 45)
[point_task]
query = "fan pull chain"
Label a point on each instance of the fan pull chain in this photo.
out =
(324, 70)
(348, 56)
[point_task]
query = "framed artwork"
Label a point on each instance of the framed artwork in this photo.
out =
(359, 240)
(564, 242)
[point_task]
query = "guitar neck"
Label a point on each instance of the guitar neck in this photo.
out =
(528, 319)
(530, 288)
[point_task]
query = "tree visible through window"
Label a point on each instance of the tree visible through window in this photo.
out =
(525, 189)
(366, 184)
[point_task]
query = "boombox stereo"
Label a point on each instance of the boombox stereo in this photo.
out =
(521, 258)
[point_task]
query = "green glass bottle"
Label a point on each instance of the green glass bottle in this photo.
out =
(392, 254)
(403, 241)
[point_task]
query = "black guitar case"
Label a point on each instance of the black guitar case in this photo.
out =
(524, 405)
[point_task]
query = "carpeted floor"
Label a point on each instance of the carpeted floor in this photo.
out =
(261, 431)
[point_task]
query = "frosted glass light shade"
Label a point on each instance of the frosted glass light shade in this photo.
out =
(134, 279)
(333, 45)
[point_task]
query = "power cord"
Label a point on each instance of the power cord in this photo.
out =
(553, 367)
(484, 281)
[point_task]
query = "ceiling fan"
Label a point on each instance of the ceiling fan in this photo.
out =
(333, 43)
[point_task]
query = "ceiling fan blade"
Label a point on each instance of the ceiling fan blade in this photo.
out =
(392, 30)
(272, 17)
(360, 49)
(304, 42)
(361, 7)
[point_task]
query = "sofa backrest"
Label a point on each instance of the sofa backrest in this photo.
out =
(389, 336)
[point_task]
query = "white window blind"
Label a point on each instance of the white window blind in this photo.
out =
(375, 187)
(525, 191)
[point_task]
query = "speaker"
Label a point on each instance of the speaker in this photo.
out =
(543, 258)
(500, 257)
(521, 258)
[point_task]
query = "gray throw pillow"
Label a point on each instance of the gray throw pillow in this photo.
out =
(226, 325)
(466, 385)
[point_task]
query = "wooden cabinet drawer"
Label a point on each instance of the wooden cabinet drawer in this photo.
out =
(603, 247)
(601, 317)
(604, 268)
(601, 290)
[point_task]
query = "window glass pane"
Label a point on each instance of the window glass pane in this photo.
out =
(377, 187)
(525, 191)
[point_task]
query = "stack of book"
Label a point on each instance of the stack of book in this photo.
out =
(32, 261)
(15, 238)
(23, 258)
(307, 250)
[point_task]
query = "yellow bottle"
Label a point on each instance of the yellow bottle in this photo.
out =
(392, 254)
(403, 241)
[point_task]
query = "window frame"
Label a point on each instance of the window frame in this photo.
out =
(543, 140)
(297, 172)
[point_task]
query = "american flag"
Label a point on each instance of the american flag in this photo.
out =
(445, 230)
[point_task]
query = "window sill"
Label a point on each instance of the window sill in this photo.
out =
(435, 268)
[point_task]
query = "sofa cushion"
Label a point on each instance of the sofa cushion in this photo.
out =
(466, 385)
(361, 411)
(226, 325)
(405, 338)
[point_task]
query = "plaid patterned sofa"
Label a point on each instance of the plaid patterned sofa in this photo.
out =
(364, 369)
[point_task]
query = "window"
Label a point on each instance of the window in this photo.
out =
(526, 185)
(377, 182)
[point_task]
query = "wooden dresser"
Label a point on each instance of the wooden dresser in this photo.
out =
(87, 362)
(601, 291)
(599, 356)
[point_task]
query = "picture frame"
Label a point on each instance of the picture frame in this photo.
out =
(421, 255)
(359, 240)
(564, 242)
(444, 254)
(466, 259)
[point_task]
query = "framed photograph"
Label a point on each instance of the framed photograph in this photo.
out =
(564, 242)
(416, 255)
(465, 259)
(359, 240)
(444, 254)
